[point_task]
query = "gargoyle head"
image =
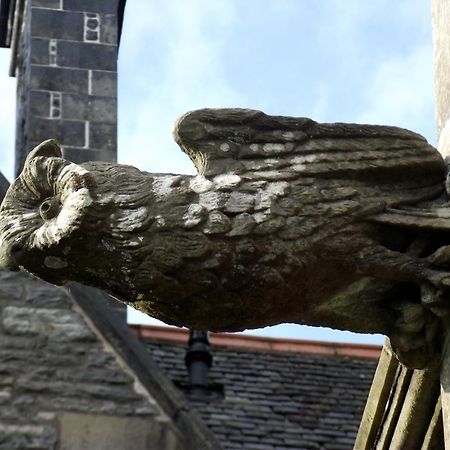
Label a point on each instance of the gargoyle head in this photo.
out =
(42, 208)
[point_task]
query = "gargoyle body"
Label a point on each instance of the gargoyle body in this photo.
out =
(288, 220)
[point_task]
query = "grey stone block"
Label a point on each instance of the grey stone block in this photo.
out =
(87, 56)
(24, 436)
(48, 23)
(103, 136)
(84, 107)
(103, 7)
(107, 432)
(39, 103)
(67, 132)
(58, 79)
(81, 155)
(53, 4)
(63, 325)
(10, 291)
(41, 294)
(108, 29)
(104, 83)
(39, 53)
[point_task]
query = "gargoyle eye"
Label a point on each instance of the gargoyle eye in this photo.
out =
(49, 208)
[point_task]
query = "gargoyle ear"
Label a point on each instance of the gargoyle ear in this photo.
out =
(47, 148)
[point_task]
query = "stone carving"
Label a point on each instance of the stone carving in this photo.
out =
(288, 220)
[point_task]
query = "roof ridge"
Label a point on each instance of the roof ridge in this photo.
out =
(248, 342)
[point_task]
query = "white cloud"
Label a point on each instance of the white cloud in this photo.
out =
(189, 75)
(401, 92)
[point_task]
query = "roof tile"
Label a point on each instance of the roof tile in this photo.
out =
(277, 399)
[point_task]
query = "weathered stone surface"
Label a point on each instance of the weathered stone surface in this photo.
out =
(51, 362)
(195, 214)
(59, 79)
(87, 56)
(65, 25)
(242, 225)
(108, 432)
(52, 323)
(239, 202)
(217, 223)
(331, 214)
(104, 83)
(20, 437)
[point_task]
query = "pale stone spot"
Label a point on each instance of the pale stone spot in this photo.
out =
(264, 200)
(261, 164)
(276, 148)
(195, 214)
(159, 221)
(32, 215)
(200, 184)
(262, 216)
(278, 188)
(53, 262)
(217, 223)
(212, 200)
(304, 159)
(225, 147)
(288, 135)
(131, 219)
(254, 147)
(227, 181)
(163, 186)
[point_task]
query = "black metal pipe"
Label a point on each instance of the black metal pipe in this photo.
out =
(198, 361)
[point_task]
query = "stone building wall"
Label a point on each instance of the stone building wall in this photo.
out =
(71, 376)
(64, 57)
(65, 61)
(60, 385)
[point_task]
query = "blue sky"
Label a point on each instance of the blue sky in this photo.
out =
(331, 60)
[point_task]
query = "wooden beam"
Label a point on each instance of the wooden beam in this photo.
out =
(445, 386)
(377, 400)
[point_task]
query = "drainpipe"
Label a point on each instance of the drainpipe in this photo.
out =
(198, 360)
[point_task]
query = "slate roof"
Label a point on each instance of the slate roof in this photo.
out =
(277, 399)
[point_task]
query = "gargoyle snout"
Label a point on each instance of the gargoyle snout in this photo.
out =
(9, 256)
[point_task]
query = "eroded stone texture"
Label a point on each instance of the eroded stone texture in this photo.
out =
(287, 220)
(51, 362)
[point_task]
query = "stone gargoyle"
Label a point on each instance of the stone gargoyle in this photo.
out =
(287, 220)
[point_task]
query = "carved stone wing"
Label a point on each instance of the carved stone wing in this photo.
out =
(338, 169)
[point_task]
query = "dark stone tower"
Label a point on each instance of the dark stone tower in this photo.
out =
(64, 56)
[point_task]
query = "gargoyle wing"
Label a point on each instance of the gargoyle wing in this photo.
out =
(347, 170)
